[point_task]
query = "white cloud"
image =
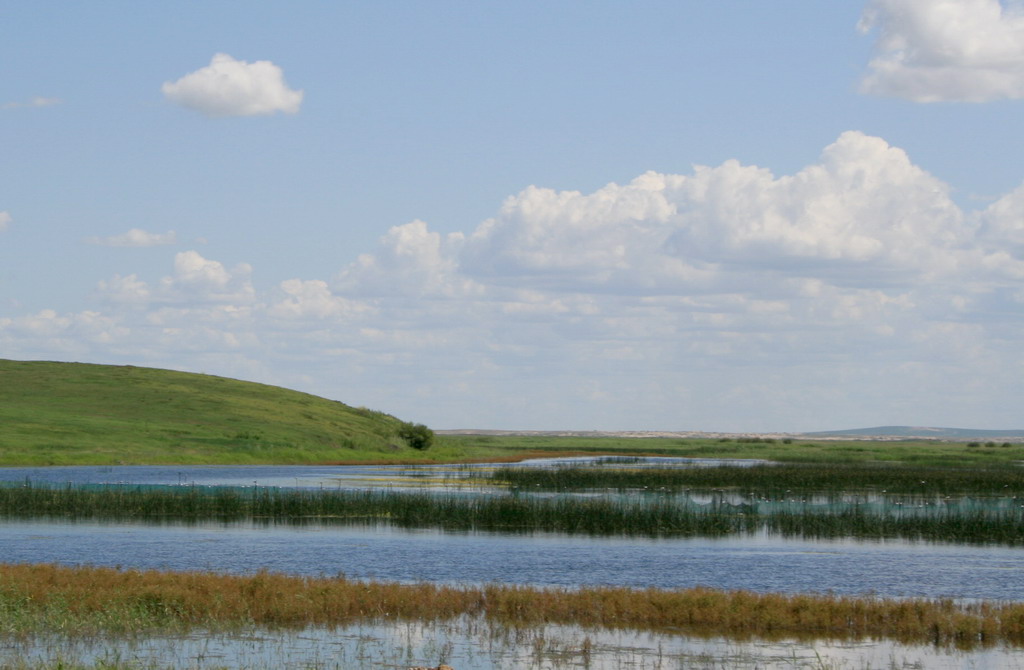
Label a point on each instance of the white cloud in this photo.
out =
(129, 289)
(136, 237)
(298, 299)
(1003, 223)
(935, 50)
(198, 279)
(5, 220)
(863, 206)
(229, 87)
(853, 291)
(410, 260)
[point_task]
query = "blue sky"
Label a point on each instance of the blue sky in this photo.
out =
(587, 215)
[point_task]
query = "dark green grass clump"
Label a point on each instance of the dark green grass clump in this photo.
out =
(651, 516)
(774, 480)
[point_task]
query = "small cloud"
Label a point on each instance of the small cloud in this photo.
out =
(957, 50)
(198, 278)
(5, 220)
(229, 87)
(36, 101)
(129, 289)
(136, 237)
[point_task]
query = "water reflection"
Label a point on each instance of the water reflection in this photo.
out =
(472, 644)
(320, 476)
(758, 563)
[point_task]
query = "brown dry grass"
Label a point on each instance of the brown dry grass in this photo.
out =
(86, 599)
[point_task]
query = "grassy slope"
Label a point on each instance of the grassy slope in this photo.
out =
(76, 413)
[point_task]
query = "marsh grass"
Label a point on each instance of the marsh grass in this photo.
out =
(652, 516)
(91, 600)
(774, 480)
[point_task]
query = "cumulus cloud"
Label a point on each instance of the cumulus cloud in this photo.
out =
(410, 260)
(5, 220)
(199, 279)
(935, 50)
(129, 289)
(863, 213)
(851, 291)
(229, 87)
(195, 280)
(296, 299)
(136, 237)
(1003, 223)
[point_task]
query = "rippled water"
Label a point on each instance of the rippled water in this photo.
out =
(469, 644)
(761, 563)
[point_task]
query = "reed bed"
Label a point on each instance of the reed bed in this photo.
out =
(771, 480)
(650, 516)
(93, 600)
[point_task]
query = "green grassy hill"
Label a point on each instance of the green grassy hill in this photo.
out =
(77, 413)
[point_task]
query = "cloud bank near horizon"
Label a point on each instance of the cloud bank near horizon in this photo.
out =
(854, 291)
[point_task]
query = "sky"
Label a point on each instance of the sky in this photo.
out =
(715, 216)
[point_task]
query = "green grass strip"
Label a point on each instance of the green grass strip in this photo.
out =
(773, 480)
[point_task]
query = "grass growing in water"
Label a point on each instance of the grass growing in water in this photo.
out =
(91, 600)
(772, 480)
(654, 516)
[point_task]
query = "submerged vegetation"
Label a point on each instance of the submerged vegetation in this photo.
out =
(653, 516)
(91, 600)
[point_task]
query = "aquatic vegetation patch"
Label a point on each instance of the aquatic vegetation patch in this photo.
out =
(772, 480)
(650, 516)
(93, 600)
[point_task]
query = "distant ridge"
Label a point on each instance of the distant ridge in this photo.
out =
(920, 431)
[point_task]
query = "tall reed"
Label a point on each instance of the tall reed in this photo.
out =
(653, 516)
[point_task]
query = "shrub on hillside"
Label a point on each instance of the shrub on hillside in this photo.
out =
(416, 435)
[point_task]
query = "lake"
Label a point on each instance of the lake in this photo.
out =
(760, 562)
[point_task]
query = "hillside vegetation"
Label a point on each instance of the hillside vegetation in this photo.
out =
(77, 413)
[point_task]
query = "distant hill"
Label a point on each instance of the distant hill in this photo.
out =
(70, 413)
(919, 431)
